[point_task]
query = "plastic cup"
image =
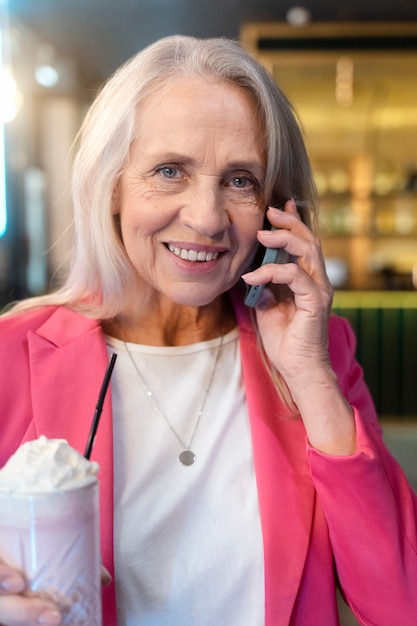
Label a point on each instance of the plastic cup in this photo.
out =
(53, 538)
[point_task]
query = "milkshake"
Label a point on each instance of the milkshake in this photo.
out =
(49, 526)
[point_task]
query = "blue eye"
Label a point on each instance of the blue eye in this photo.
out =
(169, 171)
(243, 182)
(240, 181)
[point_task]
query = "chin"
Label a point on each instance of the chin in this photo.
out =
(195, 297)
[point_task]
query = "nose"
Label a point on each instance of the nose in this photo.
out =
(205, 211)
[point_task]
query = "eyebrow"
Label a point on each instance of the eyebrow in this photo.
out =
(246, 165)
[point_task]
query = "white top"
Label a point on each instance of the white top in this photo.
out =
(187, 540)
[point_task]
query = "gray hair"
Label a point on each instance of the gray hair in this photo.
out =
(100, 273)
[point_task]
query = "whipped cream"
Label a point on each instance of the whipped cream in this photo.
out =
(46, 465)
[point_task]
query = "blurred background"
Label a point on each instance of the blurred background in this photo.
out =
(350, 69)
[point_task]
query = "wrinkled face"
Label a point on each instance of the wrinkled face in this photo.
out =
(190, 198)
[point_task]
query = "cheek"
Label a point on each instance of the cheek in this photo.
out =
(248, 242)
(128, 223)
(248, 229)
(134, 232)
(135, 200)
(139, 219)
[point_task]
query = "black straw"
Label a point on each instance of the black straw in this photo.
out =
(99, 406)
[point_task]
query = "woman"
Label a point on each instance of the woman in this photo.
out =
(243, 476)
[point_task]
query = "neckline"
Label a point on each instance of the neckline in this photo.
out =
(118, 344)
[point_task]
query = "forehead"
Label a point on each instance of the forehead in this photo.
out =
(180, 95)
(199, 113)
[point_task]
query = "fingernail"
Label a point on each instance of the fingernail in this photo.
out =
(50, 616)
(12, 583)
(106, 578)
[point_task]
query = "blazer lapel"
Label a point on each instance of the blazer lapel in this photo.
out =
(286, 494)
(67, 363)
(68, 360)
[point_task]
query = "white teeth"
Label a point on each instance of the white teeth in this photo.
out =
(192, 255)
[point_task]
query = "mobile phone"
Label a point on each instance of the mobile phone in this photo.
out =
(272, 255)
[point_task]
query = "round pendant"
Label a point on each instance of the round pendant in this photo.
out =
(187, 457)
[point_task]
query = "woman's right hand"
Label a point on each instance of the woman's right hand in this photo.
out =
(16, 609)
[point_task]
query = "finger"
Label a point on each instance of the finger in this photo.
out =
(105, 576)
(308, 293)
(273, 294)
(269, 273)
(291, 235)
(291, 208)
(288, 218)
(11, 581)
(21, 611)
(306, 252)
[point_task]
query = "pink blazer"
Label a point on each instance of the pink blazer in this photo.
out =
(324, 519)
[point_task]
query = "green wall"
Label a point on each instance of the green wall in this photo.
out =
(385, 324)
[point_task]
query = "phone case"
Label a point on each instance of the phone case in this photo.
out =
(272, 255)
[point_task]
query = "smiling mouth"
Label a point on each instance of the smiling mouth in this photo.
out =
(193, 255)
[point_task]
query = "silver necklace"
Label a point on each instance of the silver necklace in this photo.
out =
(186, 456)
